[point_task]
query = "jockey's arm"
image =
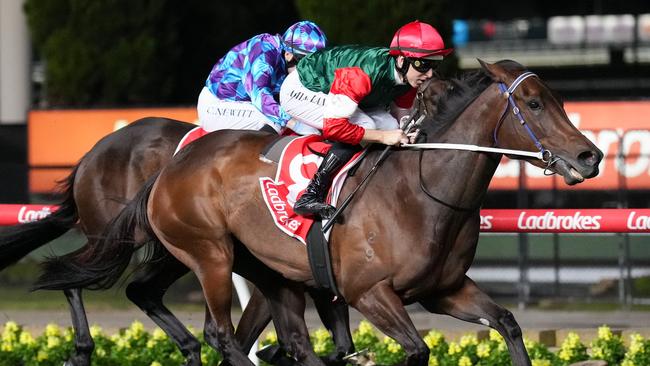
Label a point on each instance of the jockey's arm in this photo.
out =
(350, 86)
(260, 89)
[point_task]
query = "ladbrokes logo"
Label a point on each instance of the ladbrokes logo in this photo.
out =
(551, 221)
(486, 222)
(278, 206)
(25, 215)
(638, 222)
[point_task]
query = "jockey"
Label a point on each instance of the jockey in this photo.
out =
(345, 91)
(239, 92)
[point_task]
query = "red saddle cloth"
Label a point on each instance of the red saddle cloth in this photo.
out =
(297, 166)
(192, 135)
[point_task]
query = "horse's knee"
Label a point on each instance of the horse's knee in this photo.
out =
(210, 334)
(84, 346)
(138, 293)
(417, 353)
(191, 349)
(133, 292)
(299, 347)
(510, 324)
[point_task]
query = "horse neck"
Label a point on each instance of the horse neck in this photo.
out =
(461, 178)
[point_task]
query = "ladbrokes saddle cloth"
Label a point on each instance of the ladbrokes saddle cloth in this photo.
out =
(299, 160)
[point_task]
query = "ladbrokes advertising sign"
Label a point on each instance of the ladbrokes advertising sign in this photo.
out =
(565, 220)
(58, 139)
(616, 128)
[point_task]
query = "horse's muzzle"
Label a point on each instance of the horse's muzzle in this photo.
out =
(583, 167)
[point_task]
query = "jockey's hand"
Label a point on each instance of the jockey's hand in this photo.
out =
(413, 136)
(394, 137)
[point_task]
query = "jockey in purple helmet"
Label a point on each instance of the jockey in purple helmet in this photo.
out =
(239, 92)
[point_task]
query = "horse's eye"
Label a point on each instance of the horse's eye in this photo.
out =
(533, 104)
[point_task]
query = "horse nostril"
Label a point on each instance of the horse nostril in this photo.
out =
(589, 158)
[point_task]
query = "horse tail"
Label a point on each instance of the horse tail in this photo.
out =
(101, 265)
(19, 240)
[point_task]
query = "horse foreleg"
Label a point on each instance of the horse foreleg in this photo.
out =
(147, 291)
(83, 342)
(287, 301)
(336, 318)
(255, 318)
(471, 304)
(383, 308)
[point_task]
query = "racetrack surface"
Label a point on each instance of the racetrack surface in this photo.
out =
(112, 320)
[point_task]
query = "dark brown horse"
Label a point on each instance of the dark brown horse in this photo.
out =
(107, 177)
(410, 237)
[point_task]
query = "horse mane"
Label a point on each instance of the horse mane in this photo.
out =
(462, 91)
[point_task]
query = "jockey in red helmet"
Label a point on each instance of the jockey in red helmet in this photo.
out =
(345, 91)
(421, 47)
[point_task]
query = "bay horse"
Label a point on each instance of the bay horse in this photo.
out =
(409, 238)
(99, 186)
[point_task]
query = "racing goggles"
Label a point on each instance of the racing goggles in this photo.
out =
(423, 65)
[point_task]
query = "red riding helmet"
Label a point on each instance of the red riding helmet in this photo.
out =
(418, 40)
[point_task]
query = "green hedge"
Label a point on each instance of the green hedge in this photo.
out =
(134, 346)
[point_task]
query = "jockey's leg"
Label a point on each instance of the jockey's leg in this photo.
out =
(216, 114)
(382, 119)
(312, 201)
(302, 104)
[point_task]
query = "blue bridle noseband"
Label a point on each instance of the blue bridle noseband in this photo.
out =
(507, 93)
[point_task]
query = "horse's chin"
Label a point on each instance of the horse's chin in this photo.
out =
(571, 176)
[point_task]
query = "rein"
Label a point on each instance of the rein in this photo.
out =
(465, 147)
(543, 154)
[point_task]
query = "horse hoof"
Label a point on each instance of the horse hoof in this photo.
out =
(77, 361)
(273, 354)
(193, 359)
(269, 353)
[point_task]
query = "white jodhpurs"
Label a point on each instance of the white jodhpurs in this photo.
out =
(216, 114)
(308, 107)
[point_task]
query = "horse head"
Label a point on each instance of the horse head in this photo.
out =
(533, 118)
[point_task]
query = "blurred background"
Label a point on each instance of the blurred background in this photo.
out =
(72, 71)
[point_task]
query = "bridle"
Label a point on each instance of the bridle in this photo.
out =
(543, 154)
(507, 92)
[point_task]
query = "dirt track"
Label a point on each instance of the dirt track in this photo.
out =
(110, 321)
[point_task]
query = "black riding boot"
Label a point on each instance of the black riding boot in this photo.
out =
(312, 201)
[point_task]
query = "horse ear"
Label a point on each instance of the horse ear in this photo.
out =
(494, 70)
